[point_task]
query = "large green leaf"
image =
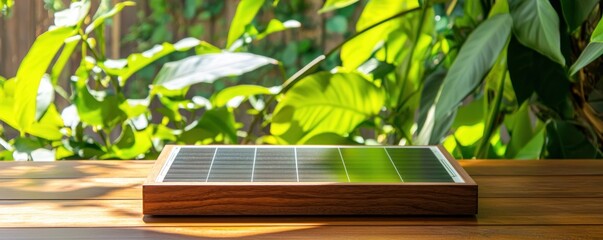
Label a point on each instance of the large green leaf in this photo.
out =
(246, 11)
(526, 141)
(331, 5)
(576, 12)
(233, 95)
(593, 50)
(30, 73)
(125, 68)
(325, 102)
(431, 87)
(477, 55)
(568, 141)
(207, 68)
(536, 25)
(7, 102)
(532, 72)
(359, 49)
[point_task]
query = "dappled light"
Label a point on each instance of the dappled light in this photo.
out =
(94, 93)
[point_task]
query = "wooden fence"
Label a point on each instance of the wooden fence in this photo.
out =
(29, 19)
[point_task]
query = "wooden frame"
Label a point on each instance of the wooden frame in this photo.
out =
(308, 198)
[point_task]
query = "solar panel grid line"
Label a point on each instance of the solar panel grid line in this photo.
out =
(392, 161)
(296, 165)
(211, 164)
(344, 167)
(315, 180)
(278, 164)
(255, 155)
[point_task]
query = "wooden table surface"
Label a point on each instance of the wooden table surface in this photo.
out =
(546, 199)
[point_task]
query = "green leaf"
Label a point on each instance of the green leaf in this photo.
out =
(236, 94)
(5, 6)
(276, 26)
(532, 72)
(98, 109)
(246, 11)
(359, 49)
(30, 73)
(536, 25)
(131, 144)
(499, 7)
(207, 68)
(526, 141)
(469, 124)
(70, 45)
(99, 19)
(7, 102)
(477, 55)
(31, 149)
(430, 90)
(593, 50)
(331, 5)
(49, 125)
(329, 138)
(215, 126)
(576, 12)
(568, 141)
(325, 102)
(126, 68)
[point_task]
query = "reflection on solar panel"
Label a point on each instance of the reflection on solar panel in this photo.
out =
(308, 180)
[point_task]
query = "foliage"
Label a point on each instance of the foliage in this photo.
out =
(488, 79)
(5, 6)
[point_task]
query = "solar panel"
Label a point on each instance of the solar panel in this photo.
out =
(308, 180)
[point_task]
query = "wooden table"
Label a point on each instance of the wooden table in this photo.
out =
(546, 199)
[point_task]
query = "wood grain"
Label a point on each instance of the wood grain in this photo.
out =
(569, 167)
(312, 232)
(76, 169)
(309, 199)
(131, 188)
(85, 188)
(540, 186)
(127, 213)
(518, 200)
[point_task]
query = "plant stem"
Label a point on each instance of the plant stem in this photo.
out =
(490, 127)
(105, 139)
(311, 66)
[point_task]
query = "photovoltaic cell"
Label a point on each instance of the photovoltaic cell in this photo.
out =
(309, 164)
(320, 165)
(231, 165)
(275, 165)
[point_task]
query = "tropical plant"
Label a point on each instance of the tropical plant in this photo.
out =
(488, 79)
